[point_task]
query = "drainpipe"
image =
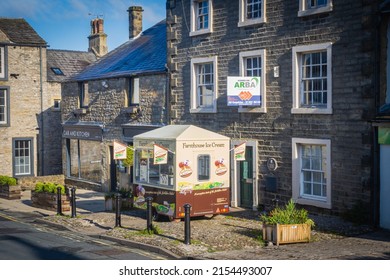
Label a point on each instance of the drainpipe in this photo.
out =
(167, 96)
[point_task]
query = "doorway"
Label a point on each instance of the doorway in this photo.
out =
(244, 191)
(246, 179)
(113, 171)
(384, 208)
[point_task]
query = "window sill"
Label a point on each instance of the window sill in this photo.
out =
(251, 22)
(251, 110)
(309, 12)
(203, 110)
(314, 111)
(317, 203)
(200, 32)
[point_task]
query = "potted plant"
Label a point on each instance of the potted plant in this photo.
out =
(126, 198)
(45, 196)
(287, 225)
(9, 188)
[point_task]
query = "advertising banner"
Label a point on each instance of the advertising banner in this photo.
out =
(244, 91)
(160, 154)
(239, 152)
(119, 150)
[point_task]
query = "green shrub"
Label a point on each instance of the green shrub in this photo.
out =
(48, 187)
(6, 180)
(124, 193)
(287, 215)
(128, 161)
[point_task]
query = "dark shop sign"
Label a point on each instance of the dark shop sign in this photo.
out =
(93, 133)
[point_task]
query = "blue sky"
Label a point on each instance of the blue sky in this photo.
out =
(65, 24)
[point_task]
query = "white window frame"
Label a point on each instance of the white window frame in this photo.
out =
(305, 10)
(243, 21)
(194, 31)
(83, 95)
(194, 95)
(297, 195)
(296, 70)
(23, 162)
(133, 97)
(5, 106)
(255, 53)
(3, 63)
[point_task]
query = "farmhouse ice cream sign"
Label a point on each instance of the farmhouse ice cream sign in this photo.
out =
(244, 91)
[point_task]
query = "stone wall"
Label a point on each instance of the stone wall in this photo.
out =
(107, 106)
(31, 114)
(349, 27)
(25, 103)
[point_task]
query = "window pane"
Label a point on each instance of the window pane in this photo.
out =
(205, 85)
(317, 189)
(90, 161)
(203, 167)
(313, 163)
(307, 188)
(253, 66)
(253, 9)
(313, 74)
(22, 160)
(316, 3)
(202, 15)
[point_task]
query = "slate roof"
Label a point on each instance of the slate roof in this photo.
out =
(145, 53)
(69, 62)
(19, 32)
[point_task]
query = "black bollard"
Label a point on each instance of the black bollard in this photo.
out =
(73, 202)
(117, 210)
(149, 225)
(59, 201)
(187, 228)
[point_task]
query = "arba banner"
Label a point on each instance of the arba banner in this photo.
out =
(119, 150)
(160, 154)
(244, 91)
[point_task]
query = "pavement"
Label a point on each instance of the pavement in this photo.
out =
(93, 220)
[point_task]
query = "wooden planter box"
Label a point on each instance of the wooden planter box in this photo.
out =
(283, 234)
(48, 201)
(10, 192)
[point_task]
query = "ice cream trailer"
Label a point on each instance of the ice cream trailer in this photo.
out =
(182, 164)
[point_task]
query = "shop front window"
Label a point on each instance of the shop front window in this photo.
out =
(146, 172)
(84, 160)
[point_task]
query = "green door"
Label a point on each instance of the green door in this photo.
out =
(246, 179)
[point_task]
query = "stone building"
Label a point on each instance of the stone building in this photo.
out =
(308, 132)
(61, 65)
(30, 97)
(22, 98)
(119, 96)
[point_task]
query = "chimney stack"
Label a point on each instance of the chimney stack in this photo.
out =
(135, 21)
(97, 39)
